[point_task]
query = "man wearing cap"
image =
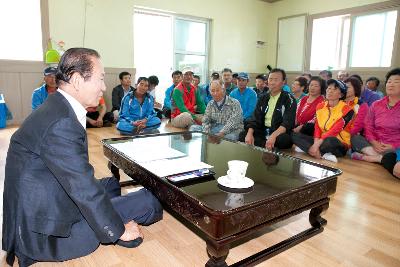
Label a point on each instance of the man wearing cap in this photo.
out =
(227, 78)
(245, 95)
(274, 116)
(40, 94)
(187, 104)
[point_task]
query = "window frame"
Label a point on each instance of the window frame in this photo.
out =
(354, 12)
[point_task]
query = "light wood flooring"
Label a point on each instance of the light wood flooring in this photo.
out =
(363, 224)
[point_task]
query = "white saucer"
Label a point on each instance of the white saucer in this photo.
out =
(244, 182)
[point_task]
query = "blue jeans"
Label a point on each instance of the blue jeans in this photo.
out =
(234, 136)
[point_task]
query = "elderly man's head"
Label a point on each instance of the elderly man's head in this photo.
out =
(216, 90)
(342, 75)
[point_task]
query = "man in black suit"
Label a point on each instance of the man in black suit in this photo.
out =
(119, 92)
(54, 208)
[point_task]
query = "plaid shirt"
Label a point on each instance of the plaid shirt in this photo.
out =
(229, 114)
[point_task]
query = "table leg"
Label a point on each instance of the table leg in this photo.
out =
(217, 254)
(114, 170)
(315, 216)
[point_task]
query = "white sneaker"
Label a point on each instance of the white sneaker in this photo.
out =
(298, 149)
(330, 157)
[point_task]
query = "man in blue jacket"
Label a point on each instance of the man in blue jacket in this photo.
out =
(245, 95)
(40, 94)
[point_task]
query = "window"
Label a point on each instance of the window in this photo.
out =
(164, 42)
(373, 36)
(191, 46)
(329, 42)
(21, 35)
(353, 40)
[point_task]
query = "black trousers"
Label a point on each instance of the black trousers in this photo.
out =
(329, 145)
(108, 118)
(388, 161)
(283, 141)
(308, 129)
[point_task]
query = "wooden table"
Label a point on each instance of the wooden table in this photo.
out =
(284, 186)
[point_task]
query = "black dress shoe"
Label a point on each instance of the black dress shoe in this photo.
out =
(130, 244)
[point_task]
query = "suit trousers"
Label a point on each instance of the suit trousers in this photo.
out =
(140, 206)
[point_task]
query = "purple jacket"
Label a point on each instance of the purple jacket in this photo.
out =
(369, 97)
(383, 124)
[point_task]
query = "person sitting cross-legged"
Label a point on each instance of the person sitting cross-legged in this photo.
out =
(97, 117)
(391, 162)
(332, 133)
(223, 116)
(187, 104)
(305, 114)
(273, 118)
(246, 96)
(137, 113)
(382, 125)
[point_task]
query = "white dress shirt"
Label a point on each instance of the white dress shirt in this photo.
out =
(79, 110)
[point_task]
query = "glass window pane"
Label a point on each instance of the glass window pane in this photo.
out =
(21, 30)
(373, 37)
(190, 36)
(328, 42)
(197, 63)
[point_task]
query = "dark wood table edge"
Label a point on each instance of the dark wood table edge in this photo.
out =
(218, 250)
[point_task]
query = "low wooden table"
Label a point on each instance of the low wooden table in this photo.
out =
(284, 186)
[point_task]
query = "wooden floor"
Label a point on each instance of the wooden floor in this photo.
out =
(363, 224)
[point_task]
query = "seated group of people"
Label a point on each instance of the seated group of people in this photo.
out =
(321, 116)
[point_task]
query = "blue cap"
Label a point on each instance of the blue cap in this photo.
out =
(342, 86)
(243, 75)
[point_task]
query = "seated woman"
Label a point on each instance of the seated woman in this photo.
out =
(360, 112)
(298, 87)
(223, 116)
(331, 133)
(305, 114)
(391, 162)
(137, 113)
(382, 125)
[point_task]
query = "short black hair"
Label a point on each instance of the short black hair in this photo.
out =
(74, 60)
(275, 70)
(327, 72)
(177, 72)
(302, 81)
(357, 77)
(309, 75)
(122, 74)
(153, 80)
(392, 72)
(261, 77)
(322, 83)
(356, 85)
(235, 75)
(375, 79)
(142, 79)
(196, 76)
(226, 70)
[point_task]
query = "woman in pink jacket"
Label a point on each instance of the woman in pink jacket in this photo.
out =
(382, 124)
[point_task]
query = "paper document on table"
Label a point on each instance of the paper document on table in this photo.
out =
(144, 151)
(166, 167)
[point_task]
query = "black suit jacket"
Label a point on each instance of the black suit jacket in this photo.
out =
(284, 113)
(117, 95)
(54, 208)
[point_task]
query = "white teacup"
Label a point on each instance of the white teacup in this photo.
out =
(237, 170)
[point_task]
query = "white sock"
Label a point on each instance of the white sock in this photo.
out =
(298, 149)
(330, 157)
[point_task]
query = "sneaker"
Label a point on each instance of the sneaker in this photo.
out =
(356, 156)
(330, 157)
(298, 149)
